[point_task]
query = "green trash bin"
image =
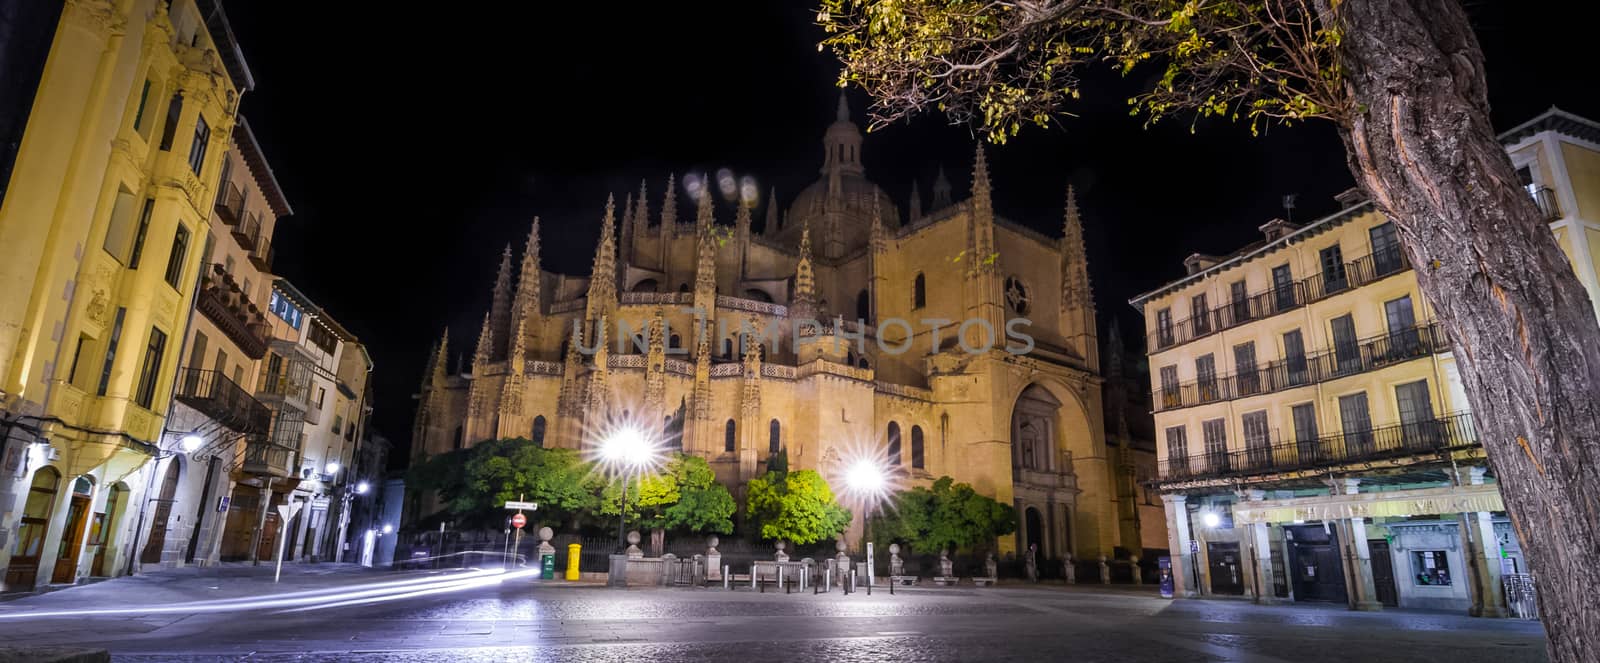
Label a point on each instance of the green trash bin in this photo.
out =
(547, 563)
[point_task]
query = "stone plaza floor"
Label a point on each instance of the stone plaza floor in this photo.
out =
(334, 613)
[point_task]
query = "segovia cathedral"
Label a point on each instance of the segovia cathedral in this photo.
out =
(914, 358)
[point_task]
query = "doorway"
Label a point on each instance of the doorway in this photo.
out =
(105, 558)
(66, 570)
(23, 571)
(1227, 576)
(1035, 534)
(158, 524)
(1314, 557)
(1383, 573)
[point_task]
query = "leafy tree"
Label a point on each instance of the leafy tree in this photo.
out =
(794, 506)
(685, 496)
(474, 483)
(1403, 81)
(948, 515)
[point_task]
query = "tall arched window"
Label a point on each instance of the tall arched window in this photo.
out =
(675, 342)
(894, 443)
(538, 430)
(460, 439)
(727, 347)
(918, 459)
(729, 433)
(919, 291)
(864, 306)
(774, 437)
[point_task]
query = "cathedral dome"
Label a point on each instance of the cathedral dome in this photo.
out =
(841, 202)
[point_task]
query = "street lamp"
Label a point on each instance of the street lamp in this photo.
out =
(331, 468)
(191, 442)
(626, 451)
(362, 487)
(1210, 519)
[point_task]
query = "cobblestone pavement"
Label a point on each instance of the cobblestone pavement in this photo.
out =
(455, 617)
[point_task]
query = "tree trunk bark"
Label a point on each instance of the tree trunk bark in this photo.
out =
(1525, 335)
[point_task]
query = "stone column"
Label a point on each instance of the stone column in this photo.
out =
(1178, 542)
(713, 558)
(1479, 548)
(1258, 553)
(1363, 592)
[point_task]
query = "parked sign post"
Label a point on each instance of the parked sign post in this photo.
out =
(519, 520)
(285, 514)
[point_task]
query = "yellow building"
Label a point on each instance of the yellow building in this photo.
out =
(101, 235)
(902, 368)
(1316, 443)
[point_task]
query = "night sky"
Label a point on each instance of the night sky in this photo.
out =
(413, 145)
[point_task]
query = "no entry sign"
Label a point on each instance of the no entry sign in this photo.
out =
(518, 521)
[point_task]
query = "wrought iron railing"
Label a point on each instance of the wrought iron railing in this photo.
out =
(1545, 200)
(265, 458)
(248, 231)
(1281, 298)
(1360, 356)
(219, 398)
(230, 203)
(1388, 442)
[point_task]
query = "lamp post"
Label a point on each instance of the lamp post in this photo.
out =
(627, 452)
(868, 481)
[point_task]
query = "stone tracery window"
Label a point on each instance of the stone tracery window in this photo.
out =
(1017, 297)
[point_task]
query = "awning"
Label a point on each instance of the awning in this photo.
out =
(1422, 502)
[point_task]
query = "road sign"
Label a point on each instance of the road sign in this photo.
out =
(285, 514)
(518, 521)
(522, 506)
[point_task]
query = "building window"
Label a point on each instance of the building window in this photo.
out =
(1386, 257)
(1164, 327)
(1305, 432)
(1432, 567)
(140, 124)
(1216, 441)
(1016, 295)
(729, 436)
(894, 443)
(111, 351)
(1241, 301)
(138, 237)
(1283, 287)
(287, 311)
(461, 437)
(1417, 425)
(149, 374)
(918, 452)
(538, 430)
(1257, 443)
(1244, 366)
(1346, 352)
(119, 232)
(864, 307)
(197, 149)
(1333, 276)
(180, 251)
(1205, 372)
(1356, 423)
(919, 291)
(1177, 449)
(1404, 338)
(774, 437)
(1294, 358)
(77, 355)
(1170, 396)
(170, 130)
(1199, 315)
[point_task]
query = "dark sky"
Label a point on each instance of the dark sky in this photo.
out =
(414, 144)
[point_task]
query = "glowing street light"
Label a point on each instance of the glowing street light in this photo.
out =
(628, 452)
(332, 467)
(191, 442)
(1210, 519)
(362, 488)
(866, 478)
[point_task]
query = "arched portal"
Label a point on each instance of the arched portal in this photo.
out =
(1033, 531)
(1059, 468)
(163, 513)
(1033, 430)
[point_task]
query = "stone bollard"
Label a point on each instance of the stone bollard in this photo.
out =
(897, 566)
(991, 566)
(669, 567)
(1105, 571)
(1069, 570)
(633, 545)
(781, 555)
(713, 558)
(946, 567)
(1138, 573)
(547, 554)
(841, 561)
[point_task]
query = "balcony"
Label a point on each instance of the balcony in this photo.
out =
(261, 255)
(248, 231)
(216, 396)
(263, 458)
(230, 204)
(229, 308)
(1545, 200)
(1368, 354)
(1373, 444)
(1279, 299)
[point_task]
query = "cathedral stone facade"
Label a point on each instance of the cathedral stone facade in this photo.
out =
(911, 358)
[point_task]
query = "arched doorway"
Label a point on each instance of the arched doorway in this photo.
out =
(163, 512)
(1034, 532)
(1033, 430)
(116, 502)
(72, 532)
(23, 571)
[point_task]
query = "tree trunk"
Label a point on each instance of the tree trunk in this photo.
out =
(1524, 332)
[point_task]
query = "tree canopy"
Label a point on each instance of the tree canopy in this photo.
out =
(794, 506)
(474, 483)
(947, 515)
(685, 496)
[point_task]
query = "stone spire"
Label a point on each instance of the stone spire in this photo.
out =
(669, 205)
(770, 228)
(750, 427)
(568, 402)
(841, 143)
(429, 426)
(803, 302)
(500, 306)
(1114, 350)
(599, 384)
(655, 377)
(484, 353)
(511, 392)
(1076, 291)
(529, 282)
(439, 366)
(602, 298)
(916, 203)
(702, 375)
(741, 220)
(842, 113)
(705, 271)
(980, 234)
(941, 191)
(641, 212)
